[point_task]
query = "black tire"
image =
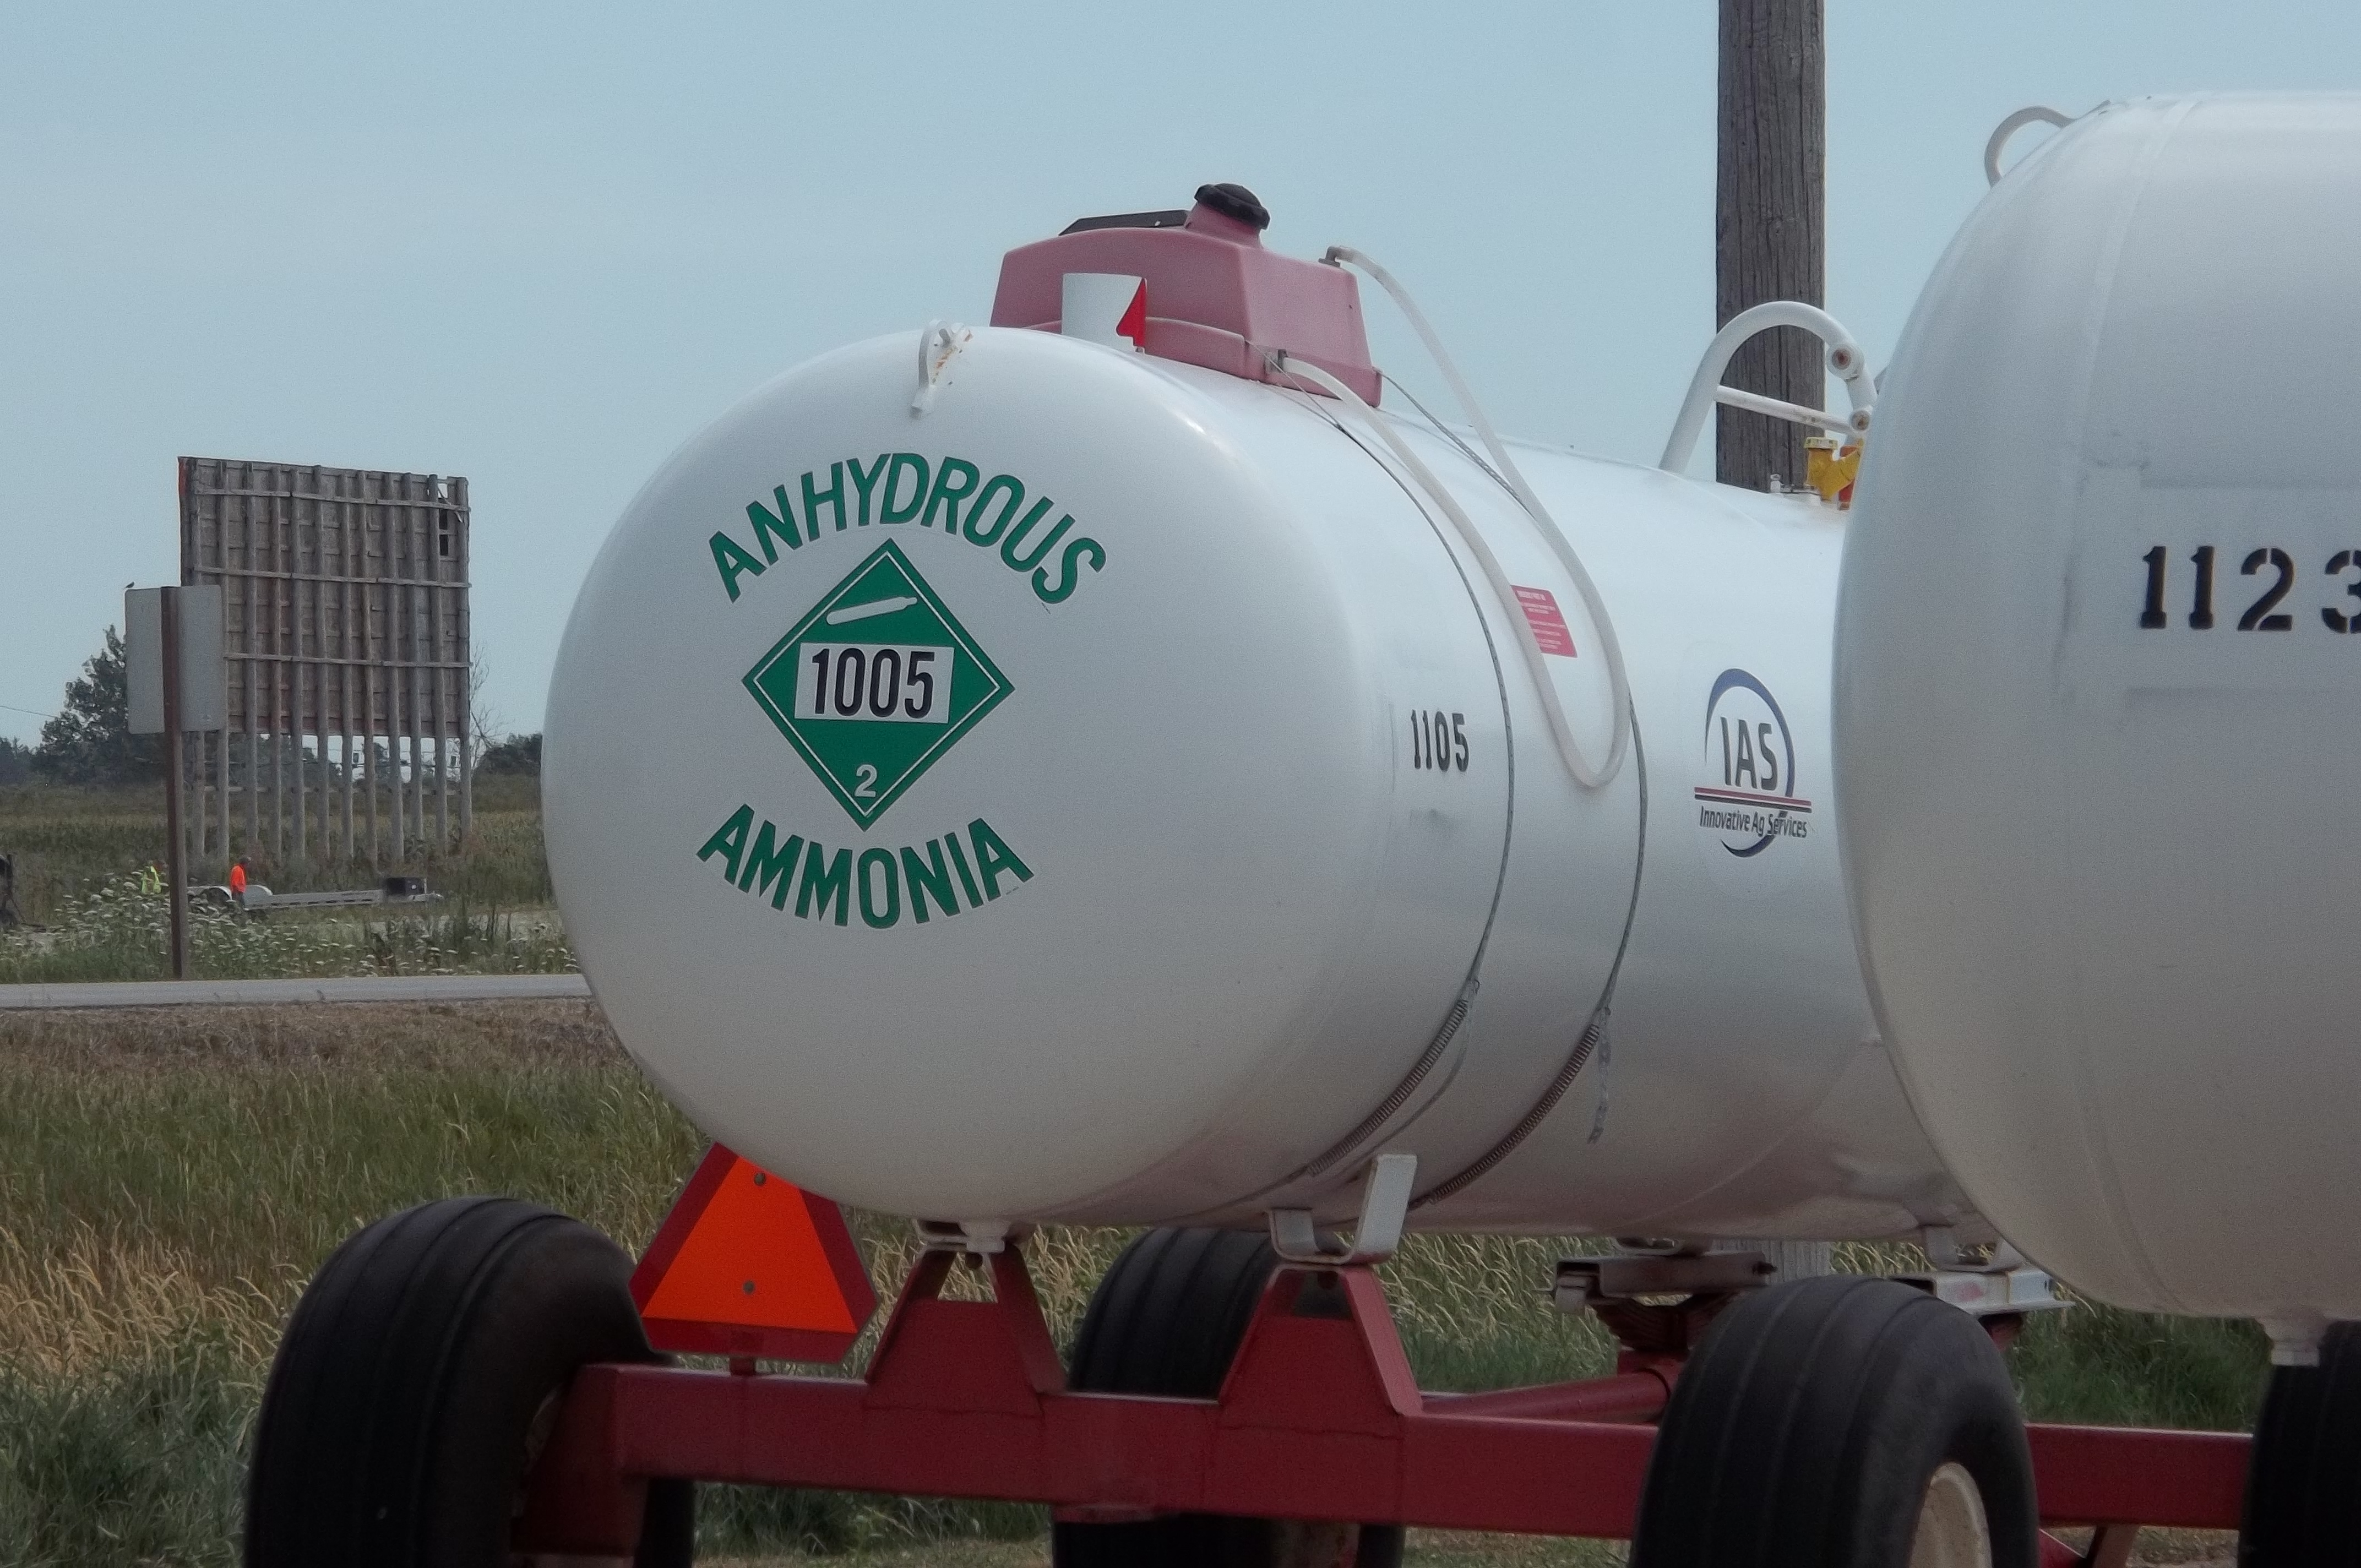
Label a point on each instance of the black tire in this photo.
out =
(1805, 1431)
(395, 1426)
(2303, 1475)
(1168, 1318)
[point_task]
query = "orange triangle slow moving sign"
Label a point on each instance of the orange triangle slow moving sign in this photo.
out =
(748, 1265)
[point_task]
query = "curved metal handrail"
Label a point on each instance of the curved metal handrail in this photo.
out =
(2035, 114)
(1845, 357)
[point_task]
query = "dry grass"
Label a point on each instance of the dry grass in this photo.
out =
(167, 1181)
(182, 1171)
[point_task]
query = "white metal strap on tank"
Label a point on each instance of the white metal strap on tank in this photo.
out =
(2032, 116)
(1385, 1207)
(1705, 389)
(1594, 1040)
(1569, 749)
(1610, 647)
(1375, 1122)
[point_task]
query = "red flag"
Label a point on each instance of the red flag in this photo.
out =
(1134, 324)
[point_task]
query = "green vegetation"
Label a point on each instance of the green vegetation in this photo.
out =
(86, 805)
(69, 840)
(78, 853)
(513, 755)
(168, 1180)
(119, 932)
(2097, 1364)
(88, 740)
(66, 842)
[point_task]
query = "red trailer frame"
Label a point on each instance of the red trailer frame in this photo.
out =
(1319, 1418)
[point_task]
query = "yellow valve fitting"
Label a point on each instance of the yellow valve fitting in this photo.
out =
(1830, 470)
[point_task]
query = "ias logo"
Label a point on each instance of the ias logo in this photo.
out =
(1750, 798)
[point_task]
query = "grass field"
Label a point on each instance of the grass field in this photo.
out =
(68, 841)
(168, 1178)
(78, 853)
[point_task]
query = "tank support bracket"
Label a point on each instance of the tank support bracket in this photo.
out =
(1385, 1207)
(1584, 1282)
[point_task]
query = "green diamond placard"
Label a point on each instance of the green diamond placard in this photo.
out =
(875, 682)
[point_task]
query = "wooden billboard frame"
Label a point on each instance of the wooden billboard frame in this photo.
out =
(346, 633)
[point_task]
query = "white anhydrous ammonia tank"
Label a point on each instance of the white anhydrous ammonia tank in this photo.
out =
(1103, 787)
(2097, 675)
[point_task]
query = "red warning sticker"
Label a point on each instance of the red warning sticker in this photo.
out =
(1547, 620)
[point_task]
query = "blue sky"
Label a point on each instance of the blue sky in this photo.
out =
(541, 245)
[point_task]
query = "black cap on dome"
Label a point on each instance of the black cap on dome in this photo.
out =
(1236, 202)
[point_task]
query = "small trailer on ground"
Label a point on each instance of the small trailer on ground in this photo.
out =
(393, 892)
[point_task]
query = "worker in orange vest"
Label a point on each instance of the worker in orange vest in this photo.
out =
(237, 880)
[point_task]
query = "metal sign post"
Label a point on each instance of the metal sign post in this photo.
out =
(171, 693)
(176, 868)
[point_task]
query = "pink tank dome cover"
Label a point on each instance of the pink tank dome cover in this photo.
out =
(1216, 296)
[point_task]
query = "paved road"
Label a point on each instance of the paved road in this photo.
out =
(266, 992)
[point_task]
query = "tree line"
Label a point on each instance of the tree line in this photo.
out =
(89, 742)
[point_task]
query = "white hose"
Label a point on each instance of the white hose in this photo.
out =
(1619, 687)
(1569, 750)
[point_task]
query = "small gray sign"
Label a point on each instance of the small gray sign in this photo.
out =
(203, 691)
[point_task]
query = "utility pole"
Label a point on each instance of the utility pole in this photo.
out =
(1769, 223)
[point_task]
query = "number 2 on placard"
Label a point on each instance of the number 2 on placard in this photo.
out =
(864, 782)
